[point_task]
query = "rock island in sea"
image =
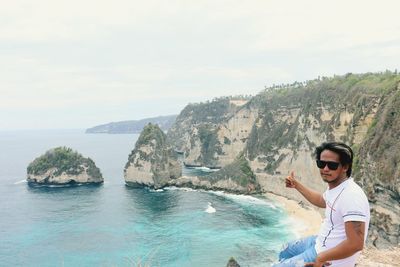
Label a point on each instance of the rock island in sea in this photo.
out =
(152, 162)
(62, 165)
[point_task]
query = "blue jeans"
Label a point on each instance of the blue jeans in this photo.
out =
(298, 252)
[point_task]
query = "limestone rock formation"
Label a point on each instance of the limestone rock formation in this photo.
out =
(379, 170)
(212, 134)
(361, 110)
(236, 177)
(278, 130)
(152, 162)
(62, 165)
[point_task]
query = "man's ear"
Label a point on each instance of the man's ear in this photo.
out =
(345, 167)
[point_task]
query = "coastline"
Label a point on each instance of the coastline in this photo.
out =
(306, 220)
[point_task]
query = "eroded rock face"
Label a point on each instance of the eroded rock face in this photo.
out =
(379, 170)
(368, 120)
(212, 134)
(50, 177)
(152, 162)
(277, 132)
(62, 165)
(236, 177)
(227, 185)
(385, 225)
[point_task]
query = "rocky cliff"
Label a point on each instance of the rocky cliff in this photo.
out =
(378, 168)
(212, 134)
(62, 165)
(152, 162)
(236, 177)
(277, 131)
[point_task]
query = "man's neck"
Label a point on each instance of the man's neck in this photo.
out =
(337, 182)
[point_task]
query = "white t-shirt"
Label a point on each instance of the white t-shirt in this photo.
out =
(346, 202)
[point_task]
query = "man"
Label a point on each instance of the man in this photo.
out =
(344, 229)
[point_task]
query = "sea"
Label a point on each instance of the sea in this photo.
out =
(115, 225)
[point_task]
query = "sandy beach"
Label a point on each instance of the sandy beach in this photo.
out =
(307, 221)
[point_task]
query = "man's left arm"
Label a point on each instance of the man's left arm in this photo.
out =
(354, 242)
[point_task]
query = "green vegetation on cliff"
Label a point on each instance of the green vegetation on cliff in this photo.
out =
(238, 171)
(382, 146)
(152, 132)
(151, 147)
(214, 111)
(356, 94)
(64, 159)
(363, 111)
(151, 135)
(209, 145)
(290, 120)
(196, 128)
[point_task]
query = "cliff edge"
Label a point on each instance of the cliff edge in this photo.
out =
(278, 129)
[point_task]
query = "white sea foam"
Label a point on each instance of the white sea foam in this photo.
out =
(297, 226)
(187, 189)
(156, 190)
(210, 209)
(59, 185)
(235, 197)
(245, 198)
(20, 182)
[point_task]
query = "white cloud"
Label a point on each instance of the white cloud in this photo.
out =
(101, 57)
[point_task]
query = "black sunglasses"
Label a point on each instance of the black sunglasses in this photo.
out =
(331, 164)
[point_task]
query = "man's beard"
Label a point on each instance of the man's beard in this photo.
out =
(332, 181)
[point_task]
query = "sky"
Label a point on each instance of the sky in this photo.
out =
(77, 64)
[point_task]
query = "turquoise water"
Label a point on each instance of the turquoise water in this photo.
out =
(114, 225)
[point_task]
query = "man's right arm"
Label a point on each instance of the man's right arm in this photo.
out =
(312, 196)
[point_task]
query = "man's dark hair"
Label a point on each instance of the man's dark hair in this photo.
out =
(344, 151)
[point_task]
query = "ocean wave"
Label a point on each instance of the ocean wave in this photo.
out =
(210, 209)
(297, 226)
(174, 188)
(156, 190)
(245, 199)
(20, 182)
(235, 197)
